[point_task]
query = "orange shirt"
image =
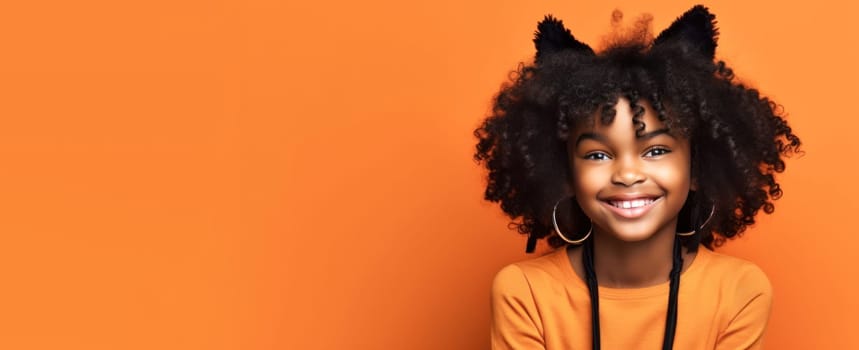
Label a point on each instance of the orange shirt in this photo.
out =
(724, 303)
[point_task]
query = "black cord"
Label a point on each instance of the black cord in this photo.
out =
(593, 289)
(671, 319)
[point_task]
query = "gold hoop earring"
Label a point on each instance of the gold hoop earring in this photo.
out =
(712, 210)
(558, 230)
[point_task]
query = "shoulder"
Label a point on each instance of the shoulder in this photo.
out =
(516, 321)
(523, 277)
(742, 286)
(737, 274)
(510, 280)
(744, 298)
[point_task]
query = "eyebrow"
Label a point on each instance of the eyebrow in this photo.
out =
(601, 138)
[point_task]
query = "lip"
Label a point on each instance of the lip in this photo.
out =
(631, 213)
(629, 196)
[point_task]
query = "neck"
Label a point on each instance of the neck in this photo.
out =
(622, 264)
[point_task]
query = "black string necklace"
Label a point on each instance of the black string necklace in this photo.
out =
(671, 320)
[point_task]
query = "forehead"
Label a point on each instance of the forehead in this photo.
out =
(622, 123)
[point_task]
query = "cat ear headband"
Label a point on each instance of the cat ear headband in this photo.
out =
(694, 32)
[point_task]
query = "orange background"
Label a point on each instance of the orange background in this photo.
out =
(298, 175)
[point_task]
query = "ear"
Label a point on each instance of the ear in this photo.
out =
(551, 36)
(695, 29)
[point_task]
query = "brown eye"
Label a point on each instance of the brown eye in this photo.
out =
(596, 156)
(657, 151)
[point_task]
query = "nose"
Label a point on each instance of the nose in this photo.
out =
(627, 172)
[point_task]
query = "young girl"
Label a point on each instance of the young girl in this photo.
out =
(635, 162)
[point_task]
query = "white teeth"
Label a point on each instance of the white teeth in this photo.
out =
(631, 204)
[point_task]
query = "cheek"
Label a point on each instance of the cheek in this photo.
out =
(674, 176)
(588, 180)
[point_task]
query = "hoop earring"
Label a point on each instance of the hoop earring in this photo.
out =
(712, 210)
(558, 230)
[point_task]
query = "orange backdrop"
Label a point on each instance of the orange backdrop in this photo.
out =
(298, 175)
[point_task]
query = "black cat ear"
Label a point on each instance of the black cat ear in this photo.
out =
(551, 36)
(695, 29)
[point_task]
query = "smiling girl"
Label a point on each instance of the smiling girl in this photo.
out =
(635, 163)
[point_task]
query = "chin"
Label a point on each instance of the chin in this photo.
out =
(633, 237)
(632, 234)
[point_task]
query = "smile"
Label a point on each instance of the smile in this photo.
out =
(631, 209)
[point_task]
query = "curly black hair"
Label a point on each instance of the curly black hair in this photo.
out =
(737, 136)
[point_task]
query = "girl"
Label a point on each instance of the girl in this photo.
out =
(635, 162)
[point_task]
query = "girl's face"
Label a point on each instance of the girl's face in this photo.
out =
(631, 188)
